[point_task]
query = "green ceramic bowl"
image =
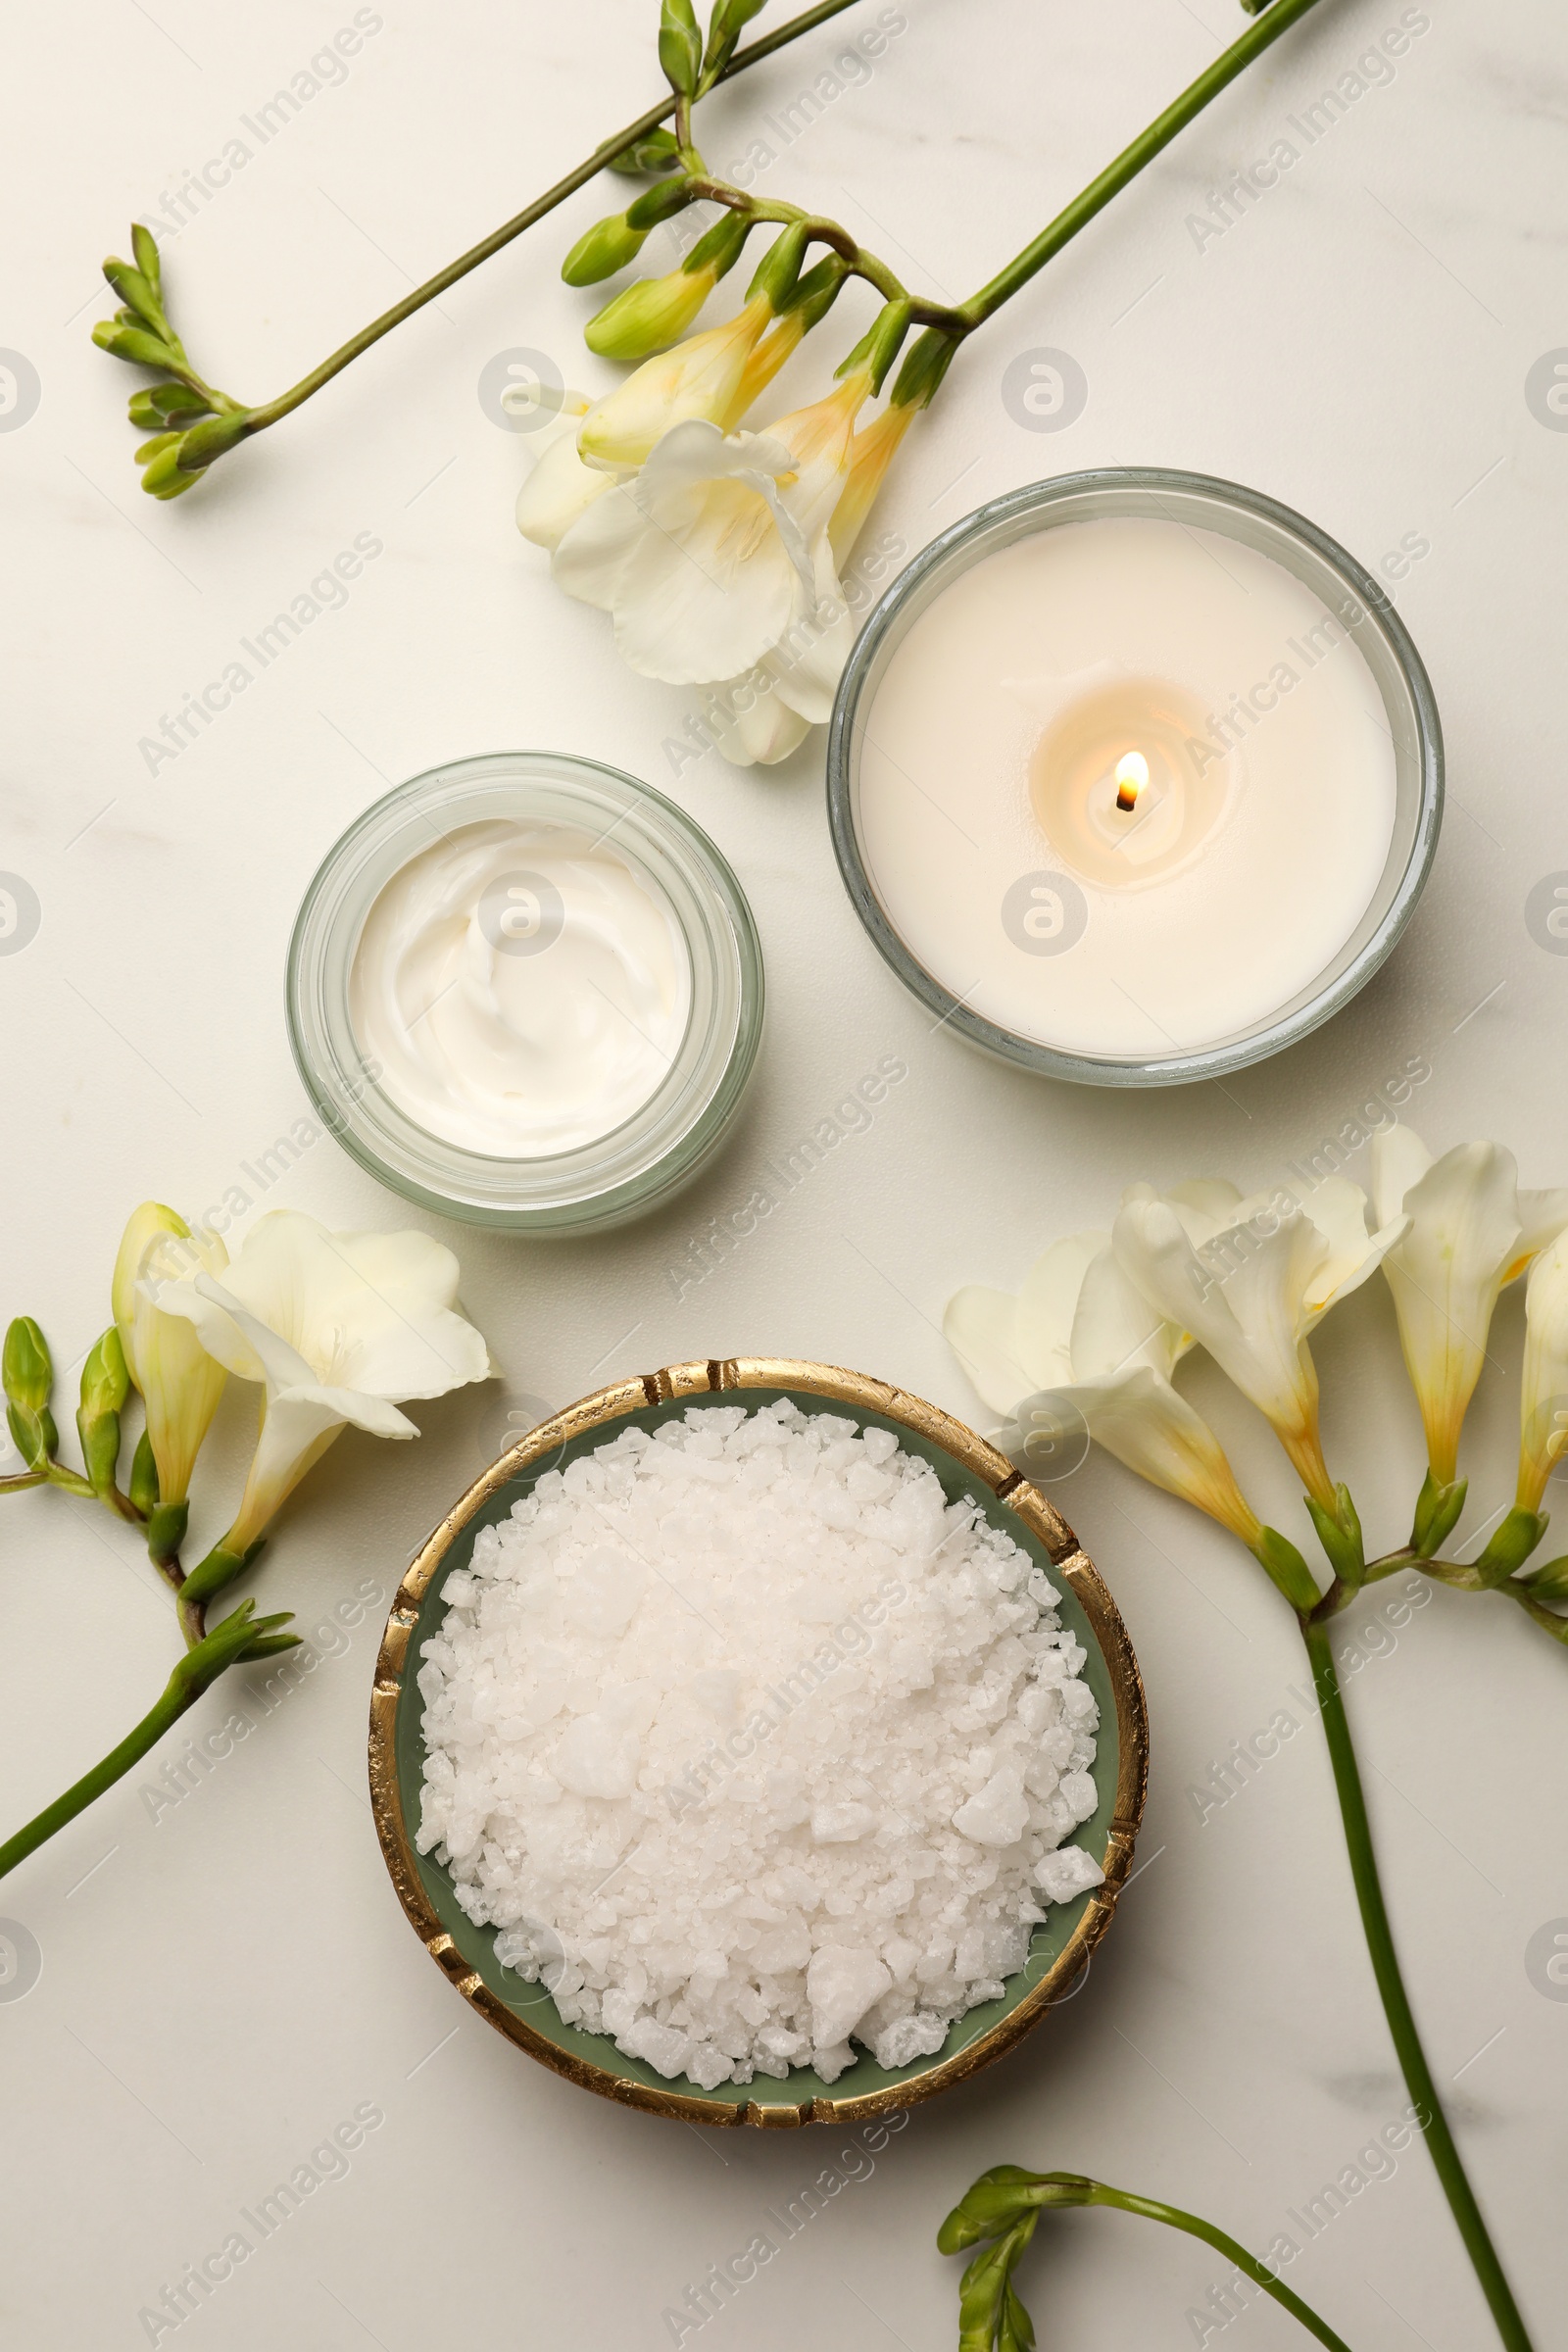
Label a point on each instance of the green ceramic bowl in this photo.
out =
(967, 1466)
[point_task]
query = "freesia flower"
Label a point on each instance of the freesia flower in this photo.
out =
(1471, 1230)
(179, 1382)
(761, 719)
(559, 487)
(1083, 1335)
(339, 1328)
(1248, 1279)
(710, 376)
(1544, 1403)
(871, 452)
(715, 554)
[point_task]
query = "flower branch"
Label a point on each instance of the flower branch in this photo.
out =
(1003, 2207)
(193, 424)
(1093, 1342)
(334, 1329)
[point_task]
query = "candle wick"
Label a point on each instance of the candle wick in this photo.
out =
(1132, 775)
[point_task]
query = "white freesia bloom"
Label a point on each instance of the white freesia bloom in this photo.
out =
(1543, 1402)
(716, 552)
(699, 557)
(1471, 1231)
(339, 1328)
(1248, 1279)
(179, 1382)
(560, 487)
(1080, 1332)
(759, 719)
(716, 549)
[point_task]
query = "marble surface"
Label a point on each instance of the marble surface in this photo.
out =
(228, 1978)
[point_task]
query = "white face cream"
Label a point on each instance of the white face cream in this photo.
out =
(521, 991)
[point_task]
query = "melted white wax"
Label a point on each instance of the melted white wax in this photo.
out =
(952, 818)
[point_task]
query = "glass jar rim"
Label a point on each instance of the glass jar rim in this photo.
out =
(651, 1154)
(1275, 529)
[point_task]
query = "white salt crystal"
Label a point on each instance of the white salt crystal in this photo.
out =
(840, 1825)
(998, 1814)
(704, 1725)
(1069, 1871)
(842, 1983)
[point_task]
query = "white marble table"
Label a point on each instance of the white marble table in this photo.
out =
(226, 1979)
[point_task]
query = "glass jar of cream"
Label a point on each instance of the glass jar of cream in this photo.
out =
(527, 991)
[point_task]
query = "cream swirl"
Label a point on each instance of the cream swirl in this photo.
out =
(520, 990)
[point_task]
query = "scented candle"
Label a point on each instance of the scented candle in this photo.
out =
(1128, 780)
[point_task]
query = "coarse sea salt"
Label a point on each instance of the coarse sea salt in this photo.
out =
(755, 1747)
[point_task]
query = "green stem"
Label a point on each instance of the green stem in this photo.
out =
(1248, 2264)
(1391, 1562)
(1391, 1984)
(614, 145)
(820, 231)
(1266, 28)
(21, 1480)
(70, 1480)
(1548, 1619)
(242, 1635)
(92, 1785)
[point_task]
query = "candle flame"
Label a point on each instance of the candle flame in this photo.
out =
(1132, 775)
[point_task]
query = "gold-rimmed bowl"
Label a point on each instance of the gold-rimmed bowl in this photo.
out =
(966, 1467)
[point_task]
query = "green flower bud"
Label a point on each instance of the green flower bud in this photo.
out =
(105, 1380)
(779, 269)
(165, 477)
(680, 47)
(721, 248)
(137, 293)
(877, 349)
(816, 293)
(28, 1375)
(1548, 1582)
(1001, 2198)
(144, 245)
(926, 364)
(146, 451)
(989, 2312)
(105, 1385)
(646, 317)
(133, 343)
(660, 204)
(657, 152)
(159, 404)
(609, 245)
(27, 1367)
(729, 18)
(1510, 1546)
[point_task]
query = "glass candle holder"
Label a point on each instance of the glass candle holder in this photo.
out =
(680, 883)
(1134, 778)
